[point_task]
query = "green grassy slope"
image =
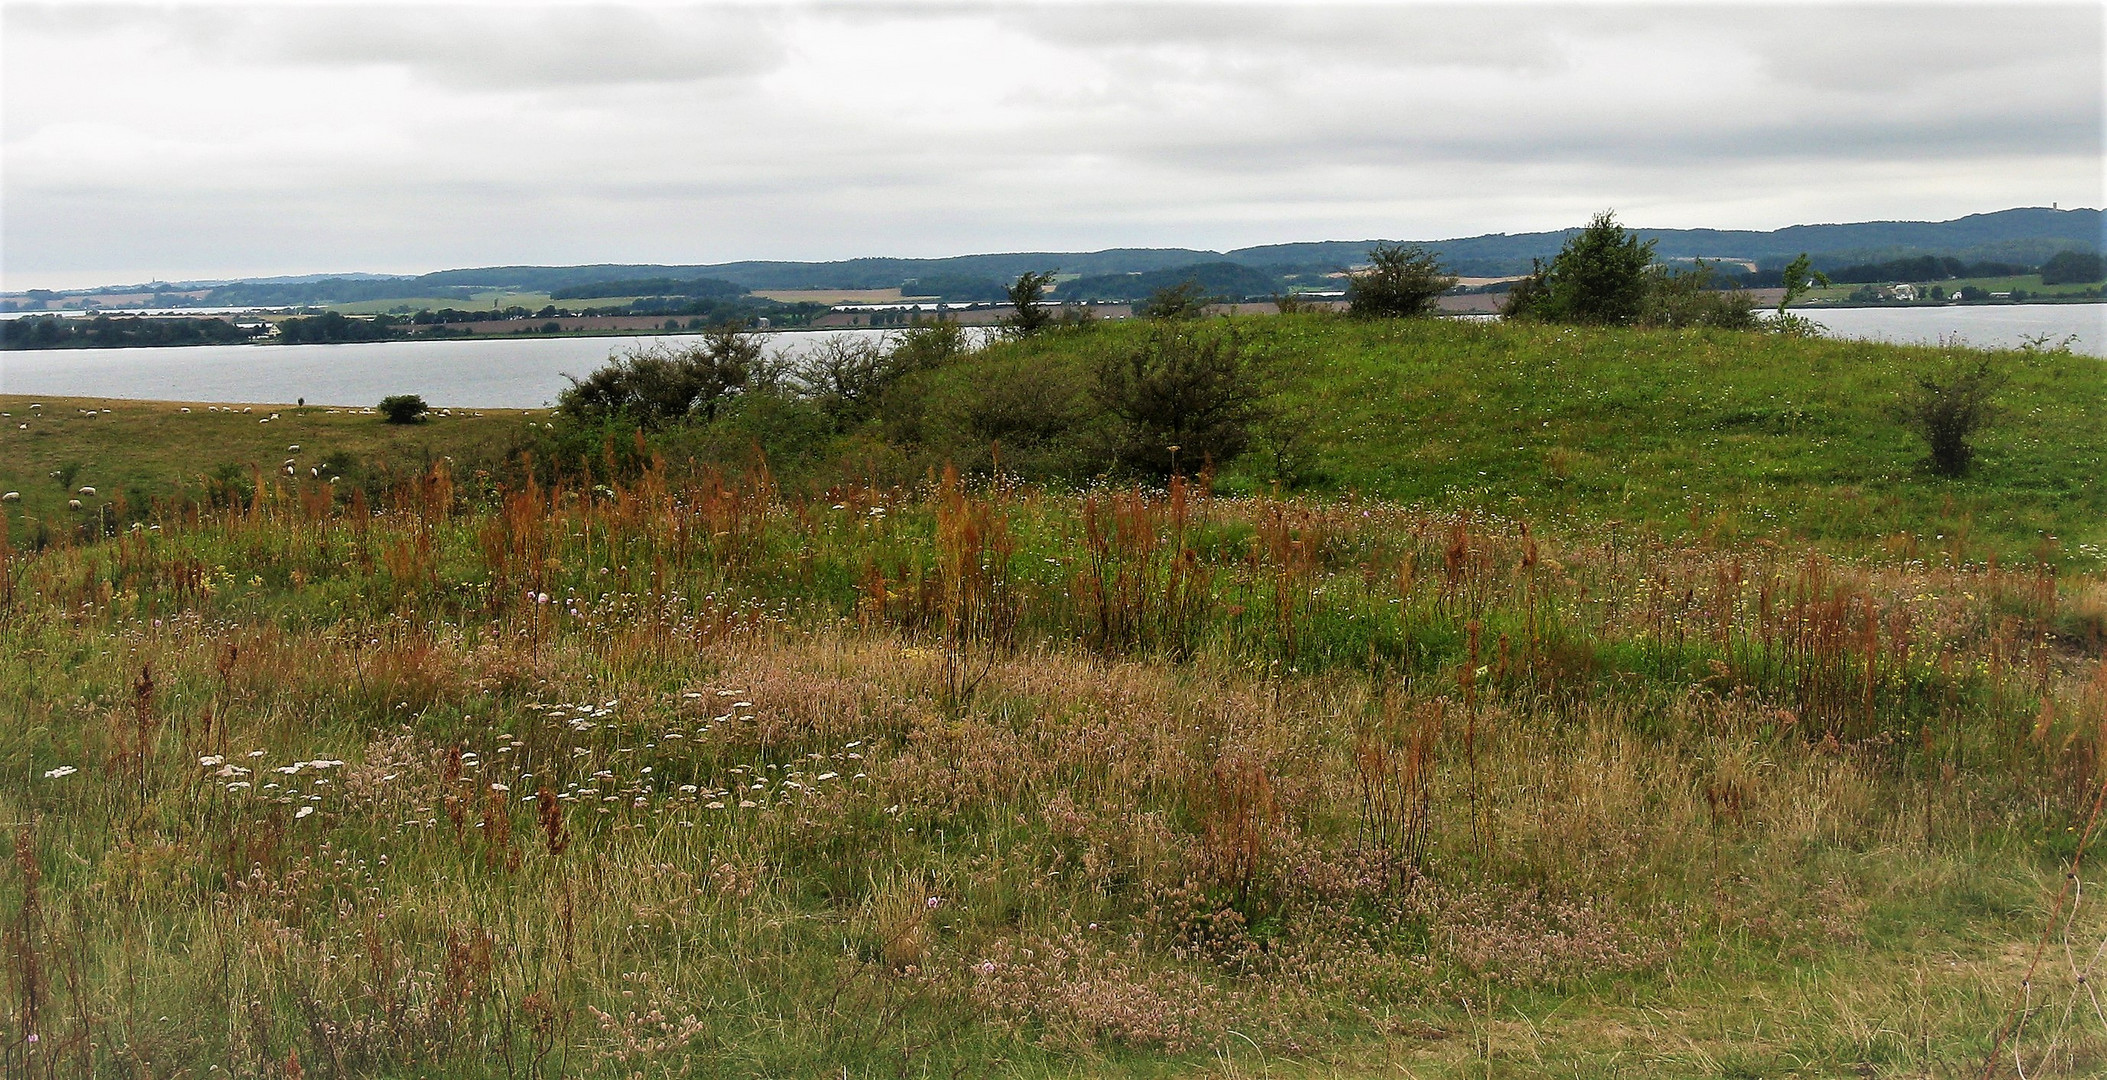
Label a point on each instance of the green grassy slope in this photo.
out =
(1739, 435)
(144, 450)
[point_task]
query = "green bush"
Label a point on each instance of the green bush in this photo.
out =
(1180, 398)
(403, 408)
(1688, 299)
(658, 385)
(1947, 408)
(1401, 282)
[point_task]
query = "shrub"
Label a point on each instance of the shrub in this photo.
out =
(1401, 282)
(1947, 408)
(1180, 395)
(403, 408)
(1688, 299)
(658, 385)
(1185, 301)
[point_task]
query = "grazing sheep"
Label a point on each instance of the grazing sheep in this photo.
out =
(247, 409)
(12, 496)
(293, 449)
(185, 408)
(72, 504)
(87, 491)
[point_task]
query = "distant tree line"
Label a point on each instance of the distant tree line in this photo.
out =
(704, 288)
(1924, 268)
(1216, 281)
(331, 327)
(2074, 268)
(105, 332)
(326, 291)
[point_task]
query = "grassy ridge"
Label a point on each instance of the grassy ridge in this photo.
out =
(1699, 433)
(1733, 435)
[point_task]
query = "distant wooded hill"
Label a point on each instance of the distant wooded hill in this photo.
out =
(2020, 237)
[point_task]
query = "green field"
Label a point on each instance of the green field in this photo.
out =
(2029, 282)
(532, 301)
(1719, 434)
(1486, 751)
(141, 451)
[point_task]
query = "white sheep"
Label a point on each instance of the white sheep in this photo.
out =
(293, 449)
(185, 408)
(87, 491)
(12, 496)
(72, 504)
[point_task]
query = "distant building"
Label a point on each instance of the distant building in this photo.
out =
(1903, 292)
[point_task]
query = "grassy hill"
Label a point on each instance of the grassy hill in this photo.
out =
(1713, 433)
(1701, 433)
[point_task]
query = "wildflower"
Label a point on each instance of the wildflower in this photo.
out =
(303, 812)
(61, 771)
(210, 760)
(828, 775)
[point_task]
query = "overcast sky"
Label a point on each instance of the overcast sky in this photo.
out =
(190, 141)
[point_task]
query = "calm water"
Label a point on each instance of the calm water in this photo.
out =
(2001, 327)
(527, 374)
(487, 374)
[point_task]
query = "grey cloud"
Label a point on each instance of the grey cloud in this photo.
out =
(503, 48)
(2051, 50)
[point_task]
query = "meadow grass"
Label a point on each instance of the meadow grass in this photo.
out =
(686, 776)
(142, 451)
(1731, 435)
(1493, 753)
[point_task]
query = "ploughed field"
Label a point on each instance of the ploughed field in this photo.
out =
(691, 771)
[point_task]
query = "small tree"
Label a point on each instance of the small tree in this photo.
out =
(1400, 283)
(1181, 397)
(1184, 301)
(1800, 278)
(1028, 314)
(1948, 408)
(403, 408)
(1602, 276)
